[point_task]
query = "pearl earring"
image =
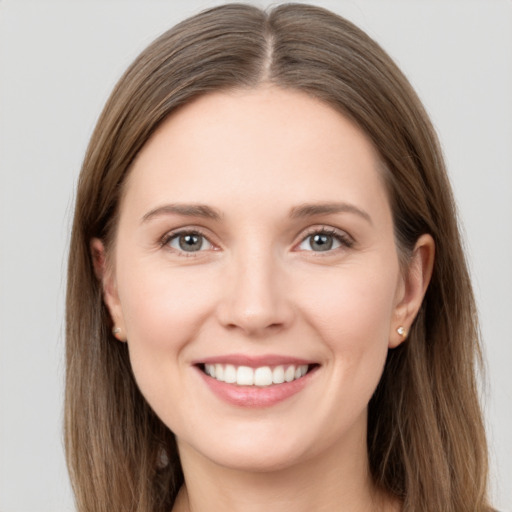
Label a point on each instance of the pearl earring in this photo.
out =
(116, 331)
(401, 330)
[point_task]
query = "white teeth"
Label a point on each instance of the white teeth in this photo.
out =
(301, 371)
(278, 375)
(245, 376)
(219, 372)
(289, 374)
(230, 374)
(262, 376)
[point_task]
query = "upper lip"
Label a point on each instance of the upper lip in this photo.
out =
(254, 361)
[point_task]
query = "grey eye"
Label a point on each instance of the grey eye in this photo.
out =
(320, 242)
(189, 242)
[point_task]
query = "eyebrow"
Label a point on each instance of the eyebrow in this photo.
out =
(187, 210)
(310, 210)
(297, 212)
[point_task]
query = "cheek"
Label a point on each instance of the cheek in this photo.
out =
(163, 311)
(353, 306)
(163, 306)
(352, 310)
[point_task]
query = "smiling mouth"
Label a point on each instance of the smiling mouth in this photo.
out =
(262, 376)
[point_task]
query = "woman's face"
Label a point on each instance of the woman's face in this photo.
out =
(255, 242)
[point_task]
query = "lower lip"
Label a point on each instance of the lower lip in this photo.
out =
(255, 396)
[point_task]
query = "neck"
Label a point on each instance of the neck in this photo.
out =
(324, 483)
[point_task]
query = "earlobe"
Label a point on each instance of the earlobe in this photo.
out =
(415, 284)
(110, 296)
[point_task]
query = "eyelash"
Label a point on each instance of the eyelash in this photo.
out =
(345, 240)
(175, 234)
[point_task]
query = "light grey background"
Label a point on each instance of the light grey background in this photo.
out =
(58, 63)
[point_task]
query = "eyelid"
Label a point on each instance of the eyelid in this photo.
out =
(342, 236)
(186, 230)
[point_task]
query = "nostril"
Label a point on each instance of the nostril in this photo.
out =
(254, 324)
(254, 300)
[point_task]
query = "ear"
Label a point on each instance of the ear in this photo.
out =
(412, 289)
(110, 295)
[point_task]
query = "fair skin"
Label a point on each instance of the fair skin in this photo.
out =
(255, 231)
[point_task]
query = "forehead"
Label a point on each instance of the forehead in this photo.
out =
(243, 146)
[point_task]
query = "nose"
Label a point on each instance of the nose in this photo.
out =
(256, 300)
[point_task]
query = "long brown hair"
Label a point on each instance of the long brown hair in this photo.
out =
(426, 439)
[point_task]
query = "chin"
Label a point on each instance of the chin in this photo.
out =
(256, 459)
(268, 448)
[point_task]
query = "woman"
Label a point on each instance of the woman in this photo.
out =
(268, 303)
